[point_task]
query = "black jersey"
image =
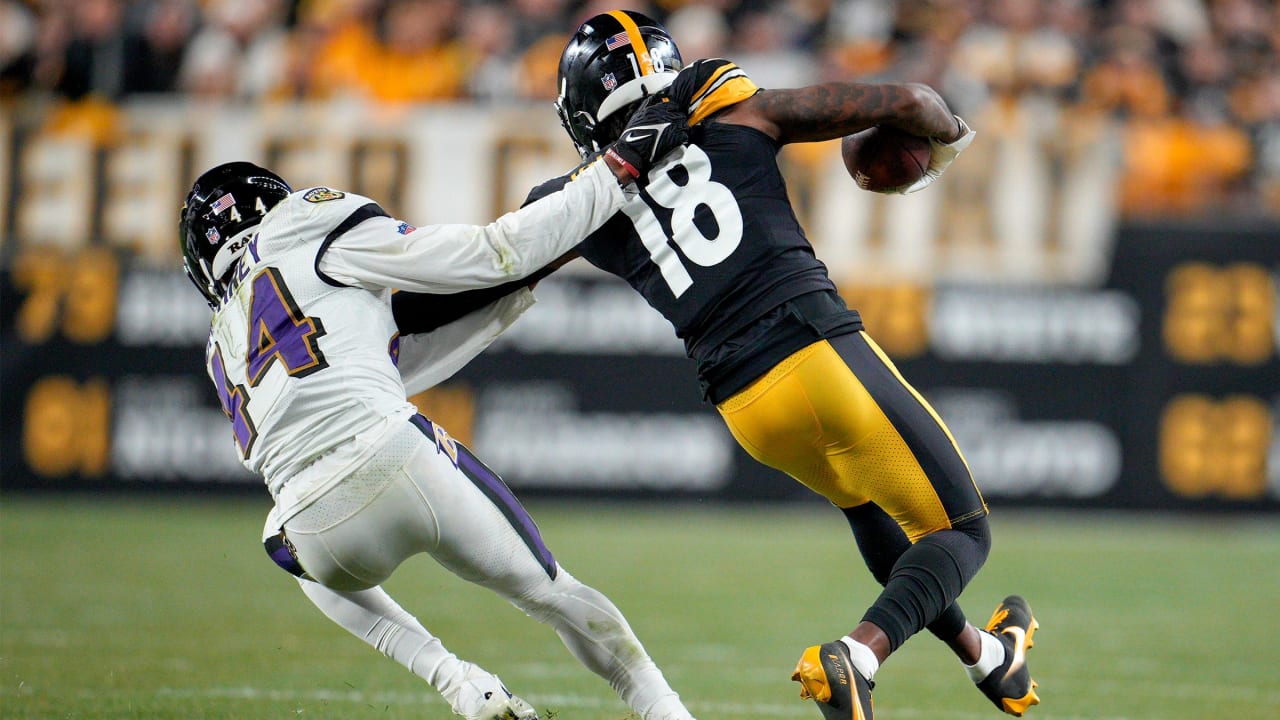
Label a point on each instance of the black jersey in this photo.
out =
(712, 243)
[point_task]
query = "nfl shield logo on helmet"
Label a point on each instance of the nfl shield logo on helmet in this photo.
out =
(212, 235)
(610, 81)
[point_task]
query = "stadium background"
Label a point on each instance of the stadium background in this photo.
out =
(1089, 298)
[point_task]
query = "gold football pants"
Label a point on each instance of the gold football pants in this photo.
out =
(837, 416)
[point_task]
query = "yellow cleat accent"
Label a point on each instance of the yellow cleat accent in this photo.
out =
(812, 679)
(827, 676)
(1018, 706)
(1010, 686)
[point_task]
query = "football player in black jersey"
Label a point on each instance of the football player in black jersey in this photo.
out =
(712, 242)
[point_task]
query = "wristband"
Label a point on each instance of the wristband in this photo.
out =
(631, 169)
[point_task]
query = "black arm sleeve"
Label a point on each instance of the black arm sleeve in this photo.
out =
(423, 312)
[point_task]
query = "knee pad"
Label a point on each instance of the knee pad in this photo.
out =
(928, 578)
(880, 539)
(979, 530)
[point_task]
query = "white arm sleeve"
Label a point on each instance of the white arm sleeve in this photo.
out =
(428, 359)
(451, 258)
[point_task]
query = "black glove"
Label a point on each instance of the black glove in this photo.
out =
(655, 129)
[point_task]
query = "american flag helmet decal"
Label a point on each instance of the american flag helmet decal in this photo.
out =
(617, 41)
(223, 203)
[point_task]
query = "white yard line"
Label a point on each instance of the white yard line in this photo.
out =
(561, 701)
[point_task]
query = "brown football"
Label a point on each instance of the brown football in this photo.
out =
(885, 159)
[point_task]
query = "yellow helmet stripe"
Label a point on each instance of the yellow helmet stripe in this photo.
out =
(637, 42)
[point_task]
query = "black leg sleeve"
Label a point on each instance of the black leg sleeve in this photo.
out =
(921, 587)
(880, 539)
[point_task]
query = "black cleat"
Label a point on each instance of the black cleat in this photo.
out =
(1010, 686)
(826, 674)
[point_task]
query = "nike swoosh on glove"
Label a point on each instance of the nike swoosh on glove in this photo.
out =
(655, 129)
(941, 155)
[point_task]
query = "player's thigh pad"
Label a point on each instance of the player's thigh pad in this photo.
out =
(355, 534)
(838, 417)
(485, 535)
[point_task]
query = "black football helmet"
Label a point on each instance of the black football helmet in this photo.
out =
(223, 204)
(611, 63)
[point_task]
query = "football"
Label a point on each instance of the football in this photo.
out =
(884, 159)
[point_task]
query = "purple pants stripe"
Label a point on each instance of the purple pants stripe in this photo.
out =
(281, 552)
(500, 495)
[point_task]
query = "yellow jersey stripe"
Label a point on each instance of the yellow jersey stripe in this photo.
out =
(715, 76)
(884, 357)
(637, 42)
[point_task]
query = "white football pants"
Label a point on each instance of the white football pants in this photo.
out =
(423, 492)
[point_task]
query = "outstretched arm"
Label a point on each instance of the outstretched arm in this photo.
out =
(379, 252)
(833, 110)
(718, 90)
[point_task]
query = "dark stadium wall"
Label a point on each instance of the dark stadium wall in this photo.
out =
(1159, 390)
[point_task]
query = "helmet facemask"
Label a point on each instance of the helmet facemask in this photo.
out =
(580, 124)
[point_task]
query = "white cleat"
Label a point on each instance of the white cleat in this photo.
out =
(486, 698)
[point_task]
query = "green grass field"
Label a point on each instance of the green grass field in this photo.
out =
(170, 609)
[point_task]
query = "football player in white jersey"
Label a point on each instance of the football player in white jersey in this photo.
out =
(311, 370)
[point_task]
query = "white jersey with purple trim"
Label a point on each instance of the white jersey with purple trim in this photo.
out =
(303, 348)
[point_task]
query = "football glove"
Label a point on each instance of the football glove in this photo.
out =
(941, 156)
(655, 129)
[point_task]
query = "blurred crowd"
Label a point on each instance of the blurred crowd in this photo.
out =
(1195, 83)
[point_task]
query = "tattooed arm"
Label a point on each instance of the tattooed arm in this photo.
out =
(718, 90)
(836, 109)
